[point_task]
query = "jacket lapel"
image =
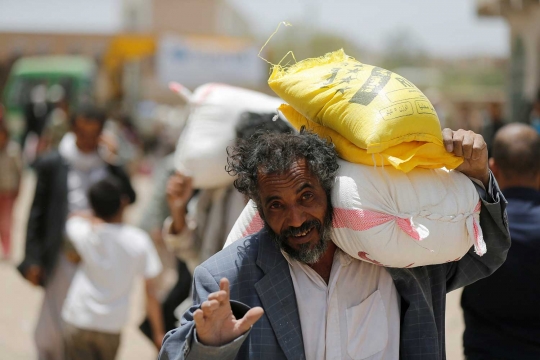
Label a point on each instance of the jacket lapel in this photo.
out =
(277, 295)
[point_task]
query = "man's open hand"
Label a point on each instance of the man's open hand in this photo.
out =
(473, 149)
(215, 322)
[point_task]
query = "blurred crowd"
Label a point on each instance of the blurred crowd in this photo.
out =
(80, 250)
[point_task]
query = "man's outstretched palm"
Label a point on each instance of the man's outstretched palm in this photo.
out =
(215, 322)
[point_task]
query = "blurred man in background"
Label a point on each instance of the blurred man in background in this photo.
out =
(113, 255)
(200, 223)
(502, 320)
(63, 179)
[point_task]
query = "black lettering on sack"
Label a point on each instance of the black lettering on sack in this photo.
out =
(342, 90)
(406, 83)
(332, 77)
(370, 89)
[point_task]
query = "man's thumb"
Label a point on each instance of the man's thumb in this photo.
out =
(249, 319)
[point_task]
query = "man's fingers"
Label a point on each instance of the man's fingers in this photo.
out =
(458, 144)
(479, 147)
(208, 307)
(198, 316)
(467, 144)
(220, 296)
(224, 285)
(448, 136)
(249, 319)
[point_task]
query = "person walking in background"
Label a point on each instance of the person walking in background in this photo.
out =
(152, 222)
(36, 110)
(10, 179)
(63, 179)
(200, 223)
(112, 256)
(57, 121)
(502, 320)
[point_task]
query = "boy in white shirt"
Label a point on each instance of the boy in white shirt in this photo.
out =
(112, 256)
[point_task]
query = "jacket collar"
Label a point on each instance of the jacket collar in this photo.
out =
(278, 297)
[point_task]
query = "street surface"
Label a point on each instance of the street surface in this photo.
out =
(20, 301)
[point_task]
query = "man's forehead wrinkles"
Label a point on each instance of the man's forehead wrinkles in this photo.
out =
(280, 181)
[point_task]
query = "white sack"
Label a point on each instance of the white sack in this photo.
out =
(214, 112)
(396, 219)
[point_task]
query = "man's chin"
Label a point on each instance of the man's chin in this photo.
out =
(308, 252)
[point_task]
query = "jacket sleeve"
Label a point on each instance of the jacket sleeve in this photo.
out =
(36, 229)
(182, 343)
(494, 224)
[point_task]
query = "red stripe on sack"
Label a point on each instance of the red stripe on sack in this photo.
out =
(364, 256)
(360, 220)
(254, 226)
(478, 207)
(208, 91)
(406, 225)
(478, 236)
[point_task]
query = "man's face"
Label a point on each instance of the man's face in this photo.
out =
(87, 132)
(295, 209)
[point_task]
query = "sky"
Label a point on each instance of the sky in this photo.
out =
(95, 16)
(444, 28)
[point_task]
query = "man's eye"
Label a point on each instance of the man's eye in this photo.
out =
(275, 205)
(307, 196)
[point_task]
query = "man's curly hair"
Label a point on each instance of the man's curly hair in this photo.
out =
(275, 153)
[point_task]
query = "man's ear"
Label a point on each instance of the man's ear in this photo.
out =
(124, 201)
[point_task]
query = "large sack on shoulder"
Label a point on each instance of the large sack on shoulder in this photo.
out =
(371, 107)
(405, 156)
(396, 219)
(214, 112)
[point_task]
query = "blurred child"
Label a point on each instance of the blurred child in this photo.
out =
(112, 256)
(10, 179)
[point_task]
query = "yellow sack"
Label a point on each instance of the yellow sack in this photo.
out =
(404, 156)
(371, 107)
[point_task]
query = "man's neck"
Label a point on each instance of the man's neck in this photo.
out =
(323, 267)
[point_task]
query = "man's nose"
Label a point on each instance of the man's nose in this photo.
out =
(295, 217)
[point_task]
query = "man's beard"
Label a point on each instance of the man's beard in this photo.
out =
(306, 253)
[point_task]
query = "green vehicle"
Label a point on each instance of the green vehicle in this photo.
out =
(76, 75)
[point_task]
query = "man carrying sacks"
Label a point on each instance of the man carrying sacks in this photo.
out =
(288, 291)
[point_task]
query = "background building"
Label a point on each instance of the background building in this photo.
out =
(523, 18)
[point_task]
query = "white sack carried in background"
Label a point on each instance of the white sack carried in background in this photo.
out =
(214, 112)
(396, 219)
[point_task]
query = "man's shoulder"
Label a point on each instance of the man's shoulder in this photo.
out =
(245, 248)
(133, 237)
(238, 257)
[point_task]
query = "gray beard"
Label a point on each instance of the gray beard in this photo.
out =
(305, 253)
